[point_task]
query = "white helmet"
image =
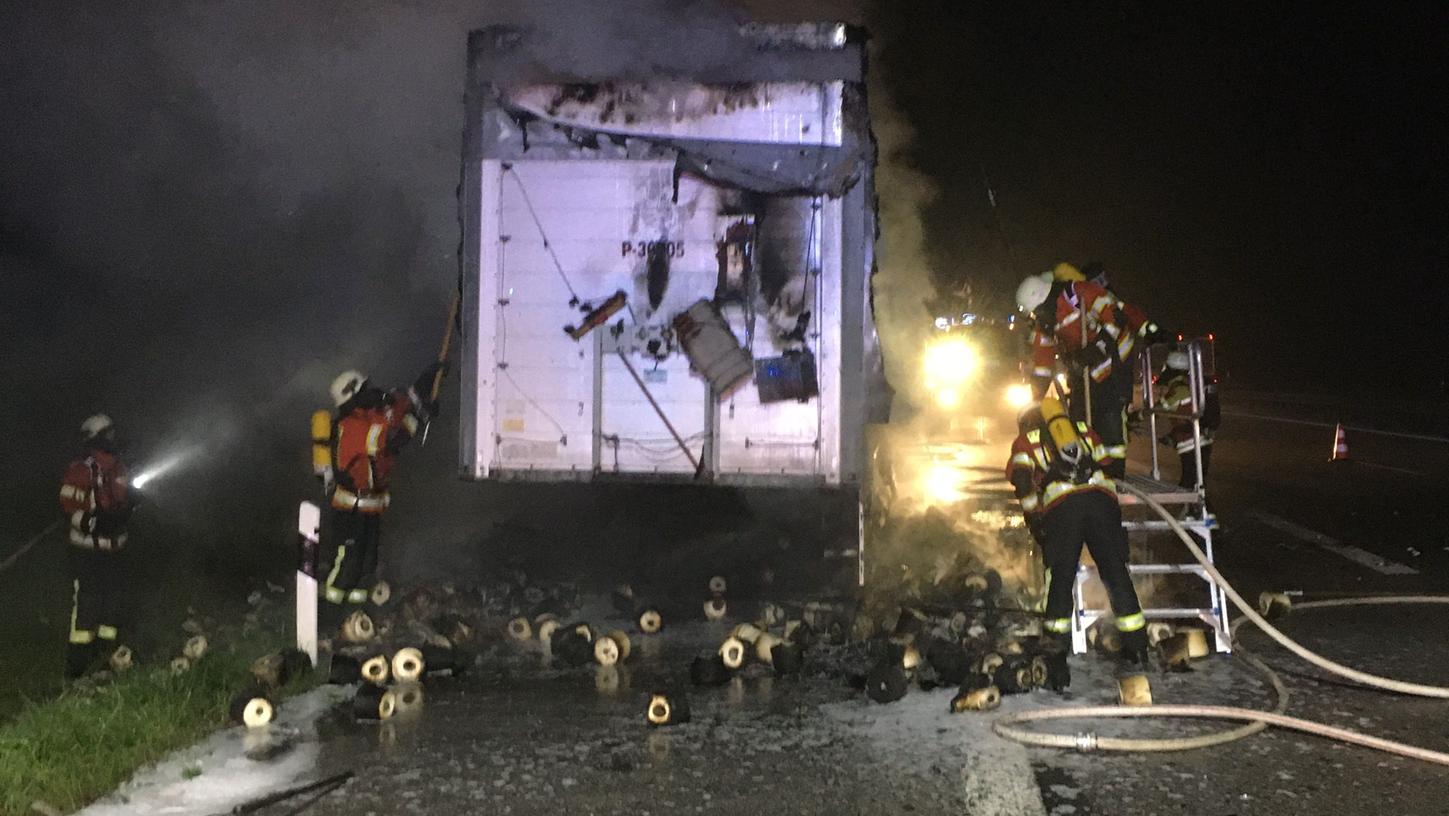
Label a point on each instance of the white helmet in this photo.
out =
(95, 426)
(1177, 360)
(346, 386)
(1033, 291)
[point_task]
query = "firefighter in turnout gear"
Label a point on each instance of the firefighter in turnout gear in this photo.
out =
(353, 454)
(97, 499)
(1175, 394)
(1057, 470)
(1079, 322)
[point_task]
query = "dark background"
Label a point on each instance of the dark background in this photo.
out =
(208, 210)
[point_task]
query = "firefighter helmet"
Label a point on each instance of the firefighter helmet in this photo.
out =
(1067, 273)
(1033, 291)
(95, 426)
(1096, 272)
(1177, 360)
(346, 386)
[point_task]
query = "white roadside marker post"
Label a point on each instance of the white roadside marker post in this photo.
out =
(309, 523)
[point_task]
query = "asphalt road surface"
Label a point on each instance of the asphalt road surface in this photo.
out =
(519, 737)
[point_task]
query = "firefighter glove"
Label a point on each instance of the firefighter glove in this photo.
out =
(424, 383)
(1090, 356)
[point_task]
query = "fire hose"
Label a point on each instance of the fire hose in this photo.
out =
(1255, 720)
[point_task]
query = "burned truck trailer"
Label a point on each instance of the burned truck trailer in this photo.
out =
(667, 278)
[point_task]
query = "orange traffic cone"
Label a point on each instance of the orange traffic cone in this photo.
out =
(1340, 445)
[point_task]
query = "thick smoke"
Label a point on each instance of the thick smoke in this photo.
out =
(208, 210)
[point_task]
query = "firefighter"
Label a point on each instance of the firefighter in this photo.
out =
(1078, 321)
(1057, 470)
(354, 452)
(97, 499)
(1175, 394)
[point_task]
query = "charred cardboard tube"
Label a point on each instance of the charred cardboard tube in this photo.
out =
(407, 699)
(520, 629)
(121, 659)
(344, 669)
(375, 669)
(886, 682)
(732, 652)
(764, 646)
(746, 632)
(547, 624)
(373, 702)
(570, 645)
(180, 665)
(787, 658)
(985, 698)
(709, 670)
(195, 648)
(1197, 643)
(380, 594)
(621, 639)
(268, 670)
(439, 660)
(606, 651)
(358, 628)
(718, 585)
(714, 609)
(650, 620)
(1134, 690)
(667, 708)
(252, 709)
(407, 664)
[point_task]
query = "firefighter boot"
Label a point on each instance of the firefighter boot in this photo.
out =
(1054, 648)
(1132, 669)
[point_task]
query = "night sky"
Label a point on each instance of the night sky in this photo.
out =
(207, 210)
(1268, 172)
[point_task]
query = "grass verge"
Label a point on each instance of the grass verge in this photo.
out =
(76, 747)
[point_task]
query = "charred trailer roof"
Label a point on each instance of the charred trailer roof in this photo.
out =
(611, 202)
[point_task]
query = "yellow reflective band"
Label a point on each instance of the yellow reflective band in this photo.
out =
(374, 437)
(1029, 502)
(1022, 458)
(1057, 625)
(334, 595)
(78, 636)
(1131, 623)
(106, 632)
(411, 423)
(357, 596)
(336, 568)
(1033, 436)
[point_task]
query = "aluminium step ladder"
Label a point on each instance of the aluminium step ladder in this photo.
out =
(1194, 517)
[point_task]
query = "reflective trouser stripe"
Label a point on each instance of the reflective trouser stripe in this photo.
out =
(106, 632)
(1131, 623)
(77, 636)
(357, 596)
(332, 576)
(1057, 625)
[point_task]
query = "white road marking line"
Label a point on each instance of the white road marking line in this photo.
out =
(1354, 428)
(1388, 467)
(1333, 545)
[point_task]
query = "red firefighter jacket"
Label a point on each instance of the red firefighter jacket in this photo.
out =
(95, 495)
(1079, 305)
(365, 443)
(1033, 454)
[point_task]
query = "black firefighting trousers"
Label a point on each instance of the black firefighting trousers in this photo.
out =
(1109, 416)
(350, 557)
(1189, 467)
(1093, 518)
(97, 582)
